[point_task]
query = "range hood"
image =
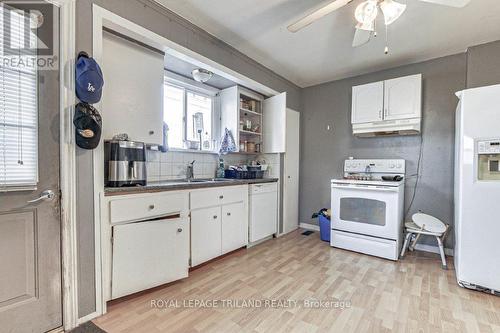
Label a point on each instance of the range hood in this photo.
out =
(388, 128)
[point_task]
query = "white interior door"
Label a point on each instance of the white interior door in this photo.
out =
(402, 97)
(274, 124)
(291, 172)
(367, 103)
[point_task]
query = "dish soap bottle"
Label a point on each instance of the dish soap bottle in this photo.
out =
(220, 169)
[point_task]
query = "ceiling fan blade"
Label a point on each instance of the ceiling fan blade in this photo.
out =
(317, 14)
(451, 3)
(361, 37)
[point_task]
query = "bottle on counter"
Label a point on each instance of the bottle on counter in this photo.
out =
(220, 170)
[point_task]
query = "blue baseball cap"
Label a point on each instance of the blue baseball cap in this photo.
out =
(89, 80)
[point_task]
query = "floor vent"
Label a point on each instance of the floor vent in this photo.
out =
(307, 232)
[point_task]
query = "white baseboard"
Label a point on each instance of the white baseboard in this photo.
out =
(309, 226)
(433, 249)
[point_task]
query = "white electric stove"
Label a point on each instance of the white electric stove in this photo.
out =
(367, 209)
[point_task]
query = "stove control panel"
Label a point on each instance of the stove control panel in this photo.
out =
(374, 166)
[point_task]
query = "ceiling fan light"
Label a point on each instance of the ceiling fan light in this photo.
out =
(366, 12)
(392, 10)
(368, 26)
(201, 75)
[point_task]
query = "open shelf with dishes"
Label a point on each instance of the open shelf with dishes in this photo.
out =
(242, 114)
(257, 124)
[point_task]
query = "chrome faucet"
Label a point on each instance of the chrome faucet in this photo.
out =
(368, 172)
(190, 171)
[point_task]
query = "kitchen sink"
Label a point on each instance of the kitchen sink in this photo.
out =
(207, 180)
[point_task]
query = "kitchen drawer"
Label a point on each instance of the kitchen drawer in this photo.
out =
(142, 207)
(218, 196)
(263, 188)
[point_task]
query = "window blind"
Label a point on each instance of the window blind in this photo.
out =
(18, 105)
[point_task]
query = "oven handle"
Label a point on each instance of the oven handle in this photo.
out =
(365, 187)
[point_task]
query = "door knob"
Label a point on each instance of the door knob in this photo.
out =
(47, 195)
(179, 230)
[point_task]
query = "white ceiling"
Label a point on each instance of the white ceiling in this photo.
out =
(322, 51)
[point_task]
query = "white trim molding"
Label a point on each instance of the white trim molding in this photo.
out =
(68, 164)
(308, 226)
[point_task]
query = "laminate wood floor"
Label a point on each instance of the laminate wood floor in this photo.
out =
(412, 295)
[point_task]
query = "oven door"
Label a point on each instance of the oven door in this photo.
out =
(366, 210)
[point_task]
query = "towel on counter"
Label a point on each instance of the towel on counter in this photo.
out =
(227, 144)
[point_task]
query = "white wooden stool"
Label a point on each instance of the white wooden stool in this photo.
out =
(424, 224)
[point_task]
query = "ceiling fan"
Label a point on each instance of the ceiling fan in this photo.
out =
(366, 13)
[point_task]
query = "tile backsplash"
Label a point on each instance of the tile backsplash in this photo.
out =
(172, 165)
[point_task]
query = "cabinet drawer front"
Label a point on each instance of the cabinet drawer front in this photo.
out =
(136, 208)
(148, 254)
(218, 196)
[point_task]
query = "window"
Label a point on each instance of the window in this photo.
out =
(18, 110)
(189, 116)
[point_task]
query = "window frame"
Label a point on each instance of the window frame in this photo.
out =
(191, 86)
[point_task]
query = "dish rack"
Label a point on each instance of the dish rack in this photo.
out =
(239, 174)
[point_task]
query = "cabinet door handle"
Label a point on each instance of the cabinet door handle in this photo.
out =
(151, 132)
(215, 217)
(228, 214)
(179, 230)
(151, 207)
(380, 114)
(221, 197)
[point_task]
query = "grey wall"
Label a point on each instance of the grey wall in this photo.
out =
(323, 152)
(157, 19)
(483, 65)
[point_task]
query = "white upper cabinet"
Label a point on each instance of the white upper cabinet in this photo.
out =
(132, 99)
(367, 103)
(274, 127)
(403, 97)
(391, 107)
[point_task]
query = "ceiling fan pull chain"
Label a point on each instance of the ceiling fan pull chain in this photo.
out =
(386, 50)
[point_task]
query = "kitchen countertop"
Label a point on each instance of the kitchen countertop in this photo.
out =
(177, 185)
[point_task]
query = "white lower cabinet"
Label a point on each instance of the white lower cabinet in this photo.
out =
(205, 234)
(234, 228)
(148, 254)
(219, 222)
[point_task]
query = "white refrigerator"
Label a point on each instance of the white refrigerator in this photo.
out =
(477, 188)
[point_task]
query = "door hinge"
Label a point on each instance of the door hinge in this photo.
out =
(190, 262)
